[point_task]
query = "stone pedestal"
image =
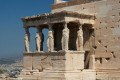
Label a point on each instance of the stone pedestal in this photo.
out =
(61, 65)
(61, 60)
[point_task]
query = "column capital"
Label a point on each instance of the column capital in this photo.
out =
(27, 30)
(80, 25)
(65, 24)
(39, 29)
(50, 26)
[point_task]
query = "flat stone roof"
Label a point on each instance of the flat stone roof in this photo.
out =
(59, 14)
(58, 17)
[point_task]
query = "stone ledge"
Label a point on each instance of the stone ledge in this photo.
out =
(65, 75)
(56, 52)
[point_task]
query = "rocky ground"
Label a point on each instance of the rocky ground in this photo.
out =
(11, 66)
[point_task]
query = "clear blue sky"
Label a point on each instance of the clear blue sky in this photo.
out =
(11, 27)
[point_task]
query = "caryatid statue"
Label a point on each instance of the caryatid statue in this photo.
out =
(92, 61)
(65, 37)
(79, 41)
(27, 42)
(50, 41)
(38, 41)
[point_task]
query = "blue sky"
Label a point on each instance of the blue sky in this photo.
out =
(11, 27)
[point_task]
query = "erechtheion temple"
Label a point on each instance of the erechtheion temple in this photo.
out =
(83, 42)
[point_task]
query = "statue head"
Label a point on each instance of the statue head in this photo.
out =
(65, 25)
(50, 34)
(27, 30)
(80, 27)
(80, 32)
(37, 34)
(26, 35)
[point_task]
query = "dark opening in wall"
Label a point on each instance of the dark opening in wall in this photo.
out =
(95, 47)
(113, 54)
(57, 28)
(107, 59)
(100, 60)
(86, 60)
(99, 41)
(91, 32)
(73, 28)
(105, 46)
(106, 51)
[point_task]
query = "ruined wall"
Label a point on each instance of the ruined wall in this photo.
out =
(106, 42)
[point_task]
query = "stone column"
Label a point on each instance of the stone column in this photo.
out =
(27, 40)
(65, 37)
(79, 41)
(50, 41)
(38, 39)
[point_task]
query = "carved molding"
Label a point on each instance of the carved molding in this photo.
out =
(57, 18)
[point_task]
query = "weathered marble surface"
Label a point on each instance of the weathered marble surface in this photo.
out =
(27, 42)
(65, 37)
(79, 41)
(62, 60)
(50, 41)
(38, 39)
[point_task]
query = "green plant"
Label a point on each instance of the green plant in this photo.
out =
(1, 71)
